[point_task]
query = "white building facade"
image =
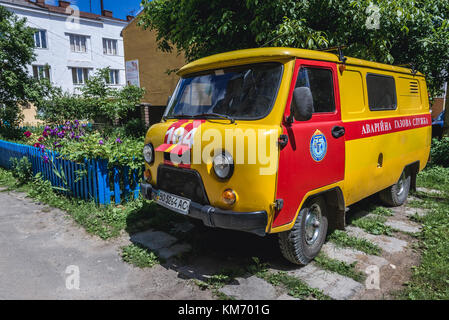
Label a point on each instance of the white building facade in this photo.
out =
(72, 45)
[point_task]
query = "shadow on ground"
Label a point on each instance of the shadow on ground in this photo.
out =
(217, 251)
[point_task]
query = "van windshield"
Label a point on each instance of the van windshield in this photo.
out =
(246, 92)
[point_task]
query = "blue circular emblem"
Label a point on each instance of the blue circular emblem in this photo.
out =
(318, 146)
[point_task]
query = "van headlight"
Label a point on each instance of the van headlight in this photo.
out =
(223, 165)
(148, 153)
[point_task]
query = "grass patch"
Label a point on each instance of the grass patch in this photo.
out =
(340, 267)
(342, 239)
(139, 256)
(434, 178)
(430, 280)
(382, 211)
(374, 225)
(296, 288)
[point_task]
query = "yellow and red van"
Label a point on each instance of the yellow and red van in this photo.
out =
(281, 140)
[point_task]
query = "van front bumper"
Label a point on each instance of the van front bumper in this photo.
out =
(252, 222)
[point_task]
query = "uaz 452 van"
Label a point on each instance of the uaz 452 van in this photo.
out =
(280, 140)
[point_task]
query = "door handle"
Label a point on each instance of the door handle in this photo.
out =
(283, 141)
(338, 132)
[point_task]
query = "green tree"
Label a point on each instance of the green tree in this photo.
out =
(17, 88)
(414, 32)
(96, 101)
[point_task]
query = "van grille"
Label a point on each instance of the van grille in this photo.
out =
(182, 182)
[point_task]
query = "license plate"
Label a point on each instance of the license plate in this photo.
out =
(172, 202)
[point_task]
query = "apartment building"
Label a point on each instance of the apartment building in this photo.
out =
(71, 45)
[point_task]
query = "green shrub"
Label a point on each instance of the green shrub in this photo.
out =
(21, 170)
(11, 133)
(440, 152)
(135, 128)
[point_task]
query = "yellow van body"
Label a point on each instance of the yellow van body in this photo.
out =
(377, 146)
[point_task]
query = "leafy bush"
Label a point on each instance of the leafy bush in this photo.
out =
(440, 152)
(75, 141)
(97, 101)
(10, 133)
(135, 128)
(21, 170)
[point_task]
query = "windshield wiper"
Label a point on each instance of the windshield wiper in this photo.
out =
(215, 115)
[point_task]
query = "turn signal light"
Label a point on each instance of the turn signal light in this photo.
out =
(147, 175)
(229, 197)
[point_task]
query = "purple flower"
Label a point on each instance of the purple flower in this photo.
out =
(77, 137)
(47, 128)
(101, 142)
(118, 140)
(61, 134)
(84, 125)
(46, 159)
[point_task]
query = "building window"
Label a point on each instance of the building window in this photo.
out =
(80, 75)
(41, 72)
(381, 92)
(110, 47)
(78, 43)
(320, 82)
(114, 77)
(40, 39)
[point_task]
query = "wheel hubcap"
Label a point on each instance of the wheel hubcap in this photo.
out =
(401, 184)
(313, 223)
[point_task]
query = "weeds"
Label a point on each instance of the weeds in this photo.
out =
(139, 256)
(342, 239)
(340, 267)
(374, 225)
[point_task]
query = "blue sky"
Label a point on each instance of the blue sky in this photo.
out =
(120, 8)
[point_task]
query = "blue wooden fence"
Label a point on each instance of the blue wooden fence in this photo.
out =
(90, 180)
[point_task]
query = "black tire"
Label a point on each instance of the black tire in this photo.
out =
(397, 194)
(298, 245)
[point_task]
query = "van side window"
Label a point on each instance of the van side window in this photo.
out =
(320, 82)
(381, 92)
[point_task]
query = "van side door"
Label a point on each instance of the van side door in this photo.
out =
(314, 155)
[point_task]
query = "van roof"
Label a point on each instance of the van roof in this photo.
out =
(280, 53)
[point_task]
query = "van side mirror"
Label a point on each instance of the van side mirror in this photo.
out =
(302, 105)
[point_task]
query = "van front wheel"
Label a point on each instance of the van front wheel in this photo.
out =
(304, 241)
(397, 194)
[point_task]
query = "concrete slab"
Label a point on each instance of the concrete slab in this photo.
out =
(286, 297)
(404, 226)
(332, 284)
(252, 288)
(388, 244)
(174, 251)
(154, 240)
(184, 227)
(419, 211)
(430, 191)
(350, 256)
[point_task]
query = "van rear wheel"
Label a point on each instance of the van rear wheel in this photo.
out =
(303, 242)
(397, 194)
